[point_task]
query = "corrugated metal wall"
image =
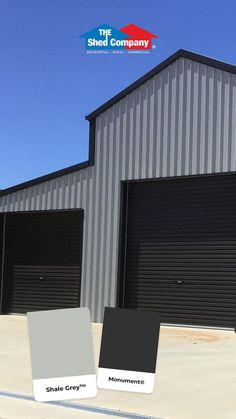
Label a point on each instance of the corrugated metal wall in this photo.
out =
(180, 122)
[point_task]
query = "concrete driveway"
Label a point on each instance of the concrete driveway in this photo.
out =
(196, 379)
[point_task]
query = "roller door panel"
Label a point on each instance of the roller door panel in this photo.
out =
(1, 250)
(42, 267)
(180, 249)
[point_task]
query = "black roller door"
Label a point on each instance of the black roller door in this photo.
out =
(42, 264)
(180, 249)
(1, 251)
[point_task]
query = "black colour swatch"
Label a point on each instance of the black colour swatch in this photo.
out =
(129, 340)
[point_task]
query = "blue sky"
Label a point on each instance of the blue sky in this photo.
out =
(48, 83)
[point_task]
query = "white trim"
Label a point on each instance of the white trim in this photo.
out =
(139, 382)
(84, 386)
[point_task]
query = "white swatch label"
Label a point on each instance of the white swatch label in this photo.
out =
(111, 379)
(65, 388)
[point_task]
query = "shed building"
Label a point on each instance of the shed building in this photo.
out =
(149, 221)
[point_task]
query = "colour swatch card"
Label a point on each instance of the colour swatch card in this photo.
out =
(62, 356)
(128, 350)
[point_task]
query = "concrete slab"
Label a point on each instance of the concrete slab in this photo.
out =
(196, 376)
(19, 409)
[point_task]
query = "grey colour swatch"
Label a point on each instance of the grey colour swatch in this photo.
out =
(61, 343)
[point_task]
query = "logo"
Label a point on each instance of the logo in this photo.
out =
(130, 38)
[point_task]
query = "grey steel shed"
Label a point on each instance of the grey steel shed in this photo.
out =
(157, 194)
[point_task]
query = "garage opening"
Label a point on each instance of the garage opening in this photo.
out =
(179, 249)
(1, 253)
(42, 260)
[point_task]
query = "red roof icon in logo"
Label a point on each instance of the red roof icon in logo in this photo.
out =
(137, 33)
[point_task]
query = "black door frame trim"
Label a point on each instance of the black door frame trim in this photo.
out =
(124, 189)
(3, 239)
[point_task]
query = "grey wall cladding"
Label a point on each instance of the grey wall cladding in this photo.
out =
(180, 122)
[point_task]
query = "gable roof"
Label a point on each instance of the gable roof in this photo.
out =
(181, 53)
(91, 117)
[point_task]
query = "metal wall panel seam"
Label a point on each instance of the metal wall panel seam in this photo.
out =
(218, 119)
(151, 128)
(233, 139)
(226, 131)
(82, 199)
(174, 117)
(126, 141)
(104, 197)
(114, 191)
(110, 219)
(88, 250)
(103, 193)
(157, 125)
(203, 115)
(181, 122)
(161, 129)
(128, 169)
(144, 134)
(165, 114)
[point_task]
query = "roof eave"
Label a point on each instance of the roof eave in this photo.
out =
(45, 178)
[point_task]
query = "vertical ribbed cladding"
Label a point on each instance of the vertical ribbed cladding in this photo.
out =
(180, 122)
